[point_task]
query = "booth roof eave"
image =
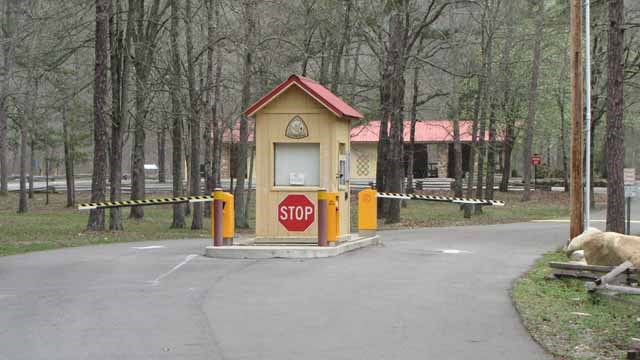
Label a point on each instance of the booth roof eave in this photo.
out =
(321, 94)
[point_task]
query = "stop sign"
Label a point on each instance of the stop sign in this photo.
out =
(296, 212)
(536, 160)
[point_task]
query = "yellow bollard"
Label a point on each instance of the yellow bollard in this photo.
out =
(217, 207)
(228, 224)
(333, 217)
(227, 218)
(322, 217)
(367, 212)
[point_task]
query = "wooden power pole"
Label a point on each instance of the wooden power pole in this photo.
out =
(577, 100)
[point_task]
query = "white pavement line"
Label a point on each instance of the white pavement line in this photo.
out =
(156, 281)
(149, 247)
(454, 251)
(567, 220)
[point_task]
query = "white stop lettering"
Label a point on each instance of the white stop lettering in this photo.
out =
(295, 213)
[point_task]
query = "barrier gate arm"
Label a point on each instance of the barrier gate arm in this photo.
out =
(146, 202)
(448, 199)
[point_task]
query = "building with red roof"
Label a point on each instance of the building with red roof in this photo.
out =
(433, 156)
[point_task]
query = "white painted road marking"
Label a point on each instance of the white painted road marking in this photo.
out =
(149, 247)
(156, 281)
(567, 220)
(454, 251)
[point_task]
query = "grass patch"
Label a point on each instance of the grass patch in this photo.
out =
(543, 205)
(55, 226)
(546, 308)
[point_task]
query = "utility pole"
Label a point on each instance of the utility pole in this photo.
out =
(577, 143)
(587, 117)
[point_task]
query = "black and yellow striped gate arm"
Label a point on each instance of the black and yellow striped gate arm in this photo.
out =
(455, 200)
(146, 202)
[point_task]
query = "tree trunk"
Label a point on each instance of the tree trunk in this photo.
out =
(162, 166)
(412, 132)
(139, 136)
(32, 162)
(194, 118)
(563, 145)
(218, 128)
(4, 171)
(615, 117)
(144, 39)
(24, 138)
(383, 140)
(344, 41)
(486, 100)
(508, 99)
(507, 151)
(102, 109)
(208, 110)
(472, 150)
(68, 157)
(491, 153)
(121, 43)
(454, 106)
(533, 101)
(176, 132)
(241, 165)
(395, 173)
(10, 22)
(250, 175)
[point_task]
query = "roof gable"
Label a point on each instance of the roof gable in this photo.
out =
(318, 92)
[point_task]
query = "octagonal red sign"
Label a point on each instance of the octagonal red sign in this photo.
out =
(296, 212)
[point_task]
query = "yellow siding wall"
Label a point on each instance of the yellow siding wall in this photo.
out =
(324, 128)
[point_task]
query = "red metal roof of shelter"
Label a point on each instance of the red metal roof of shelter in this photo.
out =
(426, 131)
(321, 94)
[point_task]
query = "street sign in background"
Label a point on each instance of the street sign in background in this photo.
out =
(629, 176)
(630, 191)
(536, 160)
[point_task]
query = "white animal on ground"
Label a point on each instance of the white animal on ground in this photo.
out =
(606, 248)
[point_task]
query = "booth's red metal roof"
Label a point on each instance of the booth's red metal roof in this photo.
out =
(426, 131)
(332, 102)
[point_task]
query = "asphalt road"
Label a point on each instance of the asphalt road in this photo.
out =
(404, 300)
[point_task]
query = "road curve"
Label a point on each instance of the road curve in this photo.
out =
(155, 300)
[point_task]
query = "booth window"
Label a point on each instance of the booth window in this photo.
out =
(297, 164)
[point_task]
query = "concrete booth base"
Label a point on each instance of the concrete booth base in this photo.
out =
(249, 250)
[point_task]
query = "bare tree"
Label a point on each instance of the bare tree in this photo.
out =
(615, 117)
(508, 97)
(102, 109)
(176, 132)
(243, 146)
(533, 98)
(120, 45)
(145, 43)
(344, 41)
(68, 156)
(208, 104)
(454, 104)
(194, 120)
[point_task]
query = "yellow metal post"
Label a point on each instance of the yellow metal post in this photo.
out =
(367, 212)
(322, 217)
(216, 216)
(333, 217)
(228, 224)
